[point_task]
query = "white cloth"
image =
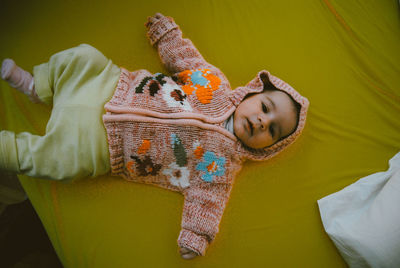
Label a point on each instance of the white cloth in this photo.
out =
(363, 219)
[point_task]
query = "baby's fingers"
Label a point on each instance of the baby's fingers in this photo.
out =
(153, 19)
(159, 15)
(187, 254)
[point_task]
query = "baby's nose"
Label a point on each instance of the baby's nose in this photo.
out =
(264, 121)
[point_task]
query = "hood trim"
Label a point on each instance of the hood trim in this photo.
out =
(256, 86)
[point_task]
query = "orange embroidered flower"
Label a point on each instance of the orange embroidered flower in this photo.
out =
(215, 81)
(198, 152)
(185, 76)
(212, 167)
(188, 89)
(204, 94)
(144, 147)
(202, 82)
(129, 166)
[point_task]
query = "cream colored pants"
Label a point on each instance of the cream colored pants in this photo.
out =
(77, 82)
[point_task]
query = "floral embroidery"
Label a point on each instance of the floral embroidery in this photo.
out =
(177, 171)
(156, 82)
(179, 176)
(154, 87)
(146, 167)
(175, 97)
(202, 82)
(129, 166)
(212, 166)
(198, 150)
(179, 150)
(160, 78)
(144, 147)
(139, 88)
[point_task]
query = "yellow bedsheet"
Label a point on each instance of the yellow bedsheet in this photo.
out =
(343, 55)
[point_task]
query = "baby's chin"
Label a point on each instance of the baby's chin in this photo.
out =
(247, 143)
(253, 145)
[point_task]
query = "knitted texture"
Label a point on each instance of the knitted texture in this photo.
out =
(168, 131)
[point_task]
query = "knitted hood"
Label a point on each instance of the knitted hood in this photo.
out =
(256, 86)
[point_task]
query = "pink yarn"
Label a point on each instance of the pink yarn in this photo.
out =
(159, 134)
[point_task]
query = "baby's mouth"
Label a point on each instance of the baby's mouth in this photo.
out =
(250, 126)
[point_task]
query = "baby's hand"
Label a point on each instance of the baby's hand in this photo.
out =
(153, 19)
(187, 254)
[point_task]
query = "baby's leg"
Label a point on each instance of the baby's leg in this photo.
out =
(19, 79)
(19, 153)
(64, 74)
(47, 157)
(78, 82)
(67, 74)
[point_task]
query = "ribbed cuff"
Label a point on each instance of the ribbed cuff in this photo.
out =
(8, 152)
(160, 28)
(192, 241)
(41, 81)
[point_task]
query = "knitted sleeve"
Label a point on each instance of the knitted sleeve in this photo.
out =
(178, 54)
(202, 213)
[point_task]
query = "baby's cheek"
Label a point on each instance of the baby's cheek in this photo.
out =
(260, 141)
(241, 134)
(249, 141)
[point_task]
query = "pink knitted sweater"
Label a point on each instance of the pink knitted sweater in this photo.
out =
(168, 131)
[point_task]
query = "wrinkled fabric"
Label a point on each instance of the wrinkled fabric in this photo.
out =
(363, 219)
(342, 55)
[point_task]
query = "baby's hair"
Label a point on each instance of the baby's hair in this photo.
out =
(268, 86)
(296, 109)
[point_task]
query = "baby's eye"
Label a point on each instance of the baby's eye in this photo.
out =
(264, 108)
(272, 131)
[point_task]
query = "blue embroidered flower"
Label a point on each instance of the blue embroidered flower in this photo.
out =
(199, 79)
(212, 166)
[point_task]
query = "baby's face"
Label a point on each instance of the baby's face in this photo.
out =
(262, 119)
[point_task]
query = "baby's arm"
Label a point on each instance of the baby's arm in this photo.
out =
(176, 53)
(202, 212)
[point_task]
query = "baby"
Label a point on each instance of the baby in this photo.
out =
(188, 133)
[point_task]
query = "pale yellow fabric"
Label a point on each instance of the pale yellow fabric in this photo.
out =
(77, 82)
(342, 55)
